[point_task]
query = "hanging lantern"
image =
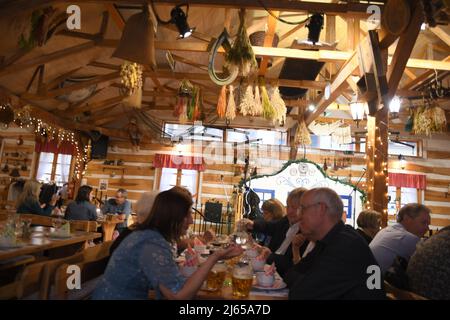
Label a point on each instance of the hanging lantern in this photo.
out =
(357, 111)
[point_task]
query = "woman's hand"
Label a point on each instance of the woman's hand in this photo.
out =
(265, 252)
(228, 253)
(55, 198)
(298, 240)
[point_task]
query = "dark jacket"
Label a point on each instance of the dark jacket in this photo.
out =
(337, 268)
(364, 235)
(82, 210)
(33, 206)
(277, 230)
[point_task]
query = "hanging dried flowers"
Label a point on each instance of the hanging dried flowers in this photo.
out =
(257, 106)
(247, 101)
(241, 55)
(279, 106)
(185, 92)
(222, 102)
(230, 114)
(428, 120)
(302, 134)
(268, 110)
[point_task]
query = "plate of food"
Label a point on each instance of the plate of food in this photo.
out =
(278, 284)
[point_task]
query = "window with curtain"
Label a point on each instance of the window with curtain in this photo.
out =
(171, 177)
(53, 167)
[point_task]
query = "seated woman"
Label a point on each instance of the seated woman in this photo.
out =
(82, 208)
(273, 210)
(144, 260)
(369, 223)
(28, 200)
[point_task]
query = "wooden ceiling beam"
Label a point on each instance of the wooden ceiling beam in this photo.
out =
(49, 117)
(422, 77)
(56, 55)
(268, 40)
(403, 50)
(95, 106)
(10, 7)
(441, 34)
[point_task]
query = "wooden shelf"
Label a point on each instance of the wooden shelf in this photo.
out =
(15, 158)
(111, 167)
(105, 166)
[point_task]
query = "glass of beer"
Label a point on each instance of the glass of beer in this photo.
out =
(216, 276)
(242, 279)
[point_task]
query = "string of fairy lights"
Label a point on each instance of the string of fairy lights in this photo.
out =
(382, 172)
(52, 132)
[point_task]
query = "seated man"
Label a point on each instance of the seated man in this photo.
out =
(401, 238)
(120, 206)
(282, 233)
(337, 266)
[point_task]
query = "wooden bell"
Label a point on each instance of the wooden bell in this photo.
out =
(137, 43)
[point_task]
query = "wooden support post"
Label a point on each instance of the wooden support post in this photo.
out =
(330, 37)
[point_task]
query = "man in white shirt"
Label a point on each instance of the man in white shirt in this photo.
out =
(401, 238)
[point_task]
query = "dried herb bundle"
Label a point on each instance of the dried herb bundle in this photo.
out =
(241, 55)
(268, 110)
(302, 134)
(247, 101)
(428, 120)
(222, 102)
(257, 106)
(279, 106)
(230, 114)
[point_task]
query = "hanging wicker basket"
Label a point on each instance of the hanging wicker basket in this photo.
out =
(257, 39)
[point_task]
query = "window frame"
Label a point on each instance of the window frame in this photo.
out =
(54, 165)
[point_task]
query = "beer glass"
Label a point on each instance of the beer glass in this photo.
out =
(216, 276)
(242, 279)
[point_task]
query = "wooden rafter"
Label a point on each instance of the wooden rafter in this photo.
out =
(268, 40)
(403, 51)
(349, 8)
(95, 106)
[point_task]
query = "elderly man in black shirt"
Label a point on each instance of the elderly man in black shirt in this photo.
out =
(341, 264)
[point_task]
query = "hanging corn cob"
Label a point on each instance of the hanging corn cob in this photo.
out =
(131, 77)
(222, 102)
(231, 105)
(247, 100)
(241, 55)
(279, 106)
(268, 110)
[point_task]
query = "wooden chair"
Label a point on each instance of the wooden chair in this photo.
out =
(90, 272)
(33, 282)
(90, 254)
(393, 293)
(16, 262)
(83, 225)
(38, 220)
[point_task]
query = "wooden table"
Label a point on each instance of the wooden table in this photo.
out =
(39, 241)
(226, 294)
(108, 227)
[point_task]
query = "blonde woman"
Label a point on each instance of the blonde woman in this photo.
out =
(369, 223)
(28, 200)
(273, 210)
